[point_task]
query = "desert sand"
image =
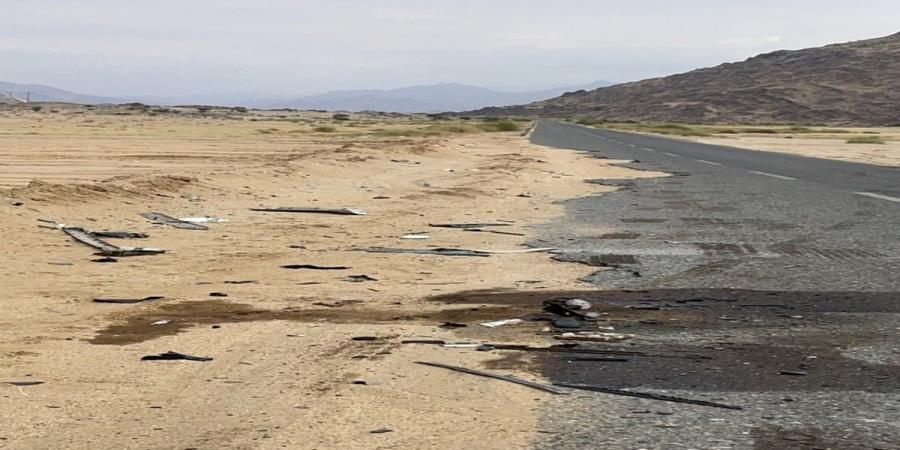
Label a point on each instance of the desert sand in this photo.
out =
(285, 372)
(823, 145)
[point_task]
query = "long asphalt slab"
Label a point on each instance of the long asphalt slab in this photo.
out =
(781, 272)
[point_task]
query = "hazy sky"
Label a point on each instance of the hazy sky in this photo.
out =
(177, 47)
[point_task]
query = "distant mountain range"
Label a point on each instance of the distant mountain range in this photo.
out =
(427, 99)
(431, 98)
(854, 83)
(41, 93)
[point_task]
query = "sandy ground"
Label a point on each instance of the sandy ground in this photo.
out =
(284, 362)
(822, 145)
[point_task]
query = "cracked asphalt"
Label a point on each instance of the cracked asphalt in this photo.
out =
(780, 271)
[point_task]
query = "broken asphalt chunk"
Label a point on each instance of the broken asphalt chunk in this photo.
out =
(467, 225)
(647, 395)
(511, 379)
(313, 210)
(359, 278)
(508, 233)
(173, 356)
(313, 267)
(119, 234)
(25, 383)
(105, 248)
(171, 221)
(128, 300)
(105, 259)
(428, 251)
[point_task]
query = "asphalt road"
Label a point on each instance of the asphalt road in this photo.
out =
(728, 229)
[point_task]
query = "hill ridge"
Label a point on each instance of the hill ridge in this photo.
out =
(851, 83)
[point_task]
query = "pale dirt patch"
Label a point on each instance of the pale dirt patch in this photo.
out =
(830, 146)
(266, 389)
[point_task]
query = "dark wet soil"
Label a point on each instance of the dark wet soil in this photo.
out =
(137, 326)
(764, 340)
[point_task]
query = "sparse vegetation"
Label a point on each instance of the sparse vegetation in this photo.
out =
(324, 129)
(500, 125)
(865, 140)
(341, 117)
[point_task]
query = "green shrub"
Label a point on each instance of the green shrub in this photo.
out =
(865, 140)
(324, 129)
(759, 130)
(505, 125)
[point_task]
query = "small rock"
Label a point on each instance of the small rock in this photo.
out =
(381, 431)
(577, 303)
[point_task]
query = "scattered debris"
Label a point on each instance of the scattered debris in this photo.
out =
(414, 236)
(796, 373)
(566, 322)
(203, 219)
(428, 251)
(508, 233)
(218, 294)
(172, 356)
(128, 300)
(461, 345)
(593, 336)
(647, 395)
(359, 278)
(313, 267)
(241, 282)
(105, 259)
(577, 303)
(423, 341)
(467, 225)
(560, 307)
(452, 325)
(526, 250)
(163, 219)
(598, 359)
(120, 234)
(25, 383)
(381, 431)
(364, 338)
(508, 378)
(300, 209)
(337, 303)
(60, 263)
(161, 322)
(105, 248)
(500, 323)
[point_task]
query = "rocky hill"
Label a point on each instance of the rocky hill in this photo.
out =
(855, 83)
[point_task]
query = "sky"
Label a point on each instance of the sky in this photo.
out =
(183, 47)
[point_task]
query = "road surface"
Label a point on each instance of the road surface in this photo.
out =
(782, 271)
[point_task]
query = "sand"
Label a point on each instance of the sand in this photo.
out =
(284, 363)
(823, 145)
